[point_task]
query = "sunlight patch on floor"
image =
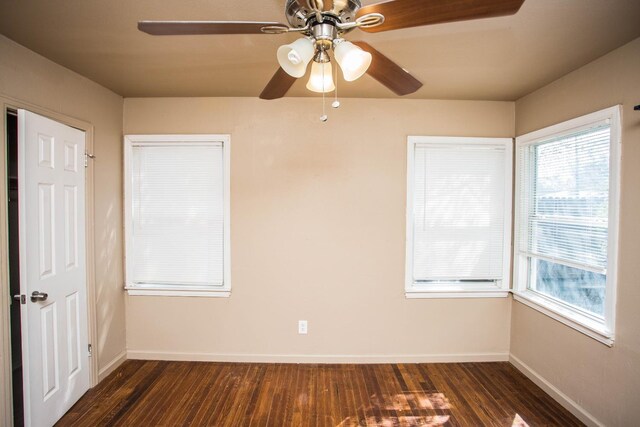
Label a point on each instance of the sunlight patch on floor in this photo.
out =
(410, 409)
(519, 422)
(408, 421)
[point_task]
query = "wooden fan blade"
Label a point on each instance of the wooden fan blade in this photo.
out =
(174, 28)
(389, 73)
(278, 86)
(414, 13)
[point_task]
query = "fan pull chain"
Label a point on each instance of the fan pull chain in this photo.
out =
(336, 103)
(323, 117)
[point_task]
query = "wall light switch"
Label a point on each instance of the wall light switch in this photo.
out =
(302, 327)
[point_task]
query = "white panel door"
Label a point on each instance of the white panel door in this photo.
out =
(52, 267)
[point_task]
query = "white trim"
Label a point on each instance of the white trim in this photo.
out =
(177, 293)
(112, 365)
(566, 316)
(408, 272)
(615, 160)
(185, 138)
(603, 332)
(193, 140)
(570, 126)
(561, 261)
(183, 143)
(481, 142)
(307, 358)
(413, 290)
(564, 400)
(459, 294)
(227, 212)
(6, 372)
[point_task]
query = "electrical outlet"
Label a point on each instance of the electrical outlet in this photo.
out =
(302, 327)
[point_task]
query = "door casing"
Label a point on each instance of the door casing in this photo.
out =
(6, 397)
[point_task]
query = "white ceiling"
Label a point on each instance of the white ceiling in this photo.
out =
(491, 59)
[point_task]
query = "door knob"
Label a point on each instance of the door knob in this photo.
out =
(39, 296)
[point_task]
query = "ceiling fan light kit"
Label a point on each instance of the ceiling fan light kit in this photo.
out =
(295, 57)
(323, 23)
(353, 61)
(321, 79)
(323, 26)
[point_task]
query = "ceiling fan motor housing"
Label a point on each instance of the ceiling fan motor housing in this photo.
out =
(300, 12)
(324, 35)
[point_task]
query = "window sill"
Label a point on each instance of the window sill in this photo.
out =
(208, 293)
(435, 294)
(577, 321)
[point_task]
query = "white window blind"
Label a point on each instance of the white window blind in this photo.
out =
(177, 212)
(459, 211)
(565, 208)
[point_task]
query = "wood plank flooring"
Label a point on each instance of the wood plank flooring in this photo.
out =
(152, 393)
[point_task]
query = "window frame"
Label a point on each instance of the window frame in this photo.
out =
(590, 325)
(480, 289)
(166, 290)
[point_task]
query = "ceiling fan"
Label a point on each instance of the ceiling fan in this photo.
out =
(323, 23)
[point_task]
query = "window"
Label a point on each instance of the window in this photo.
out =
(177, 215)
(566, 221)
(458, 217)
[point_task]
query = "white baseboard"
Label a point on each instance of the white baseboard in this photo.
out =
(569, 404)
(112, 365)
(300, 358)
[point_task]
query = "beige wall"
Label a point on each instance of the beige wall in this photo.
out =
(28, 77)
(318, 223)
(317, 233)
(604, 381)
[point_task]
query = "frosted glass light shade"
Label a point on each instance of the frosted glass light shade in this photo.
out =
(353, 60)
(316, 82)
(295, 57)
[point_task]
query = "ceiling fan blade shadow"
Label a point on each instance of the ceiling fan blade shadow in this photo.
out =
(278, 86)
(389, 73)
(176, 28)
(414, 13)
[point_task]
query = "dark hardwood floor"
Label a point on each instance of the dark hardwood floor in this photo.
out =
(148, 393)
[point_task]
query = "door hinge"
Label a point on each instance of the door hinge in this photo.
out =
(90, 348)
(88, 156)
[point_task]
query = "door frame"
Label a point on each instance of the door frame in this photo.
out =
(6, 398)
